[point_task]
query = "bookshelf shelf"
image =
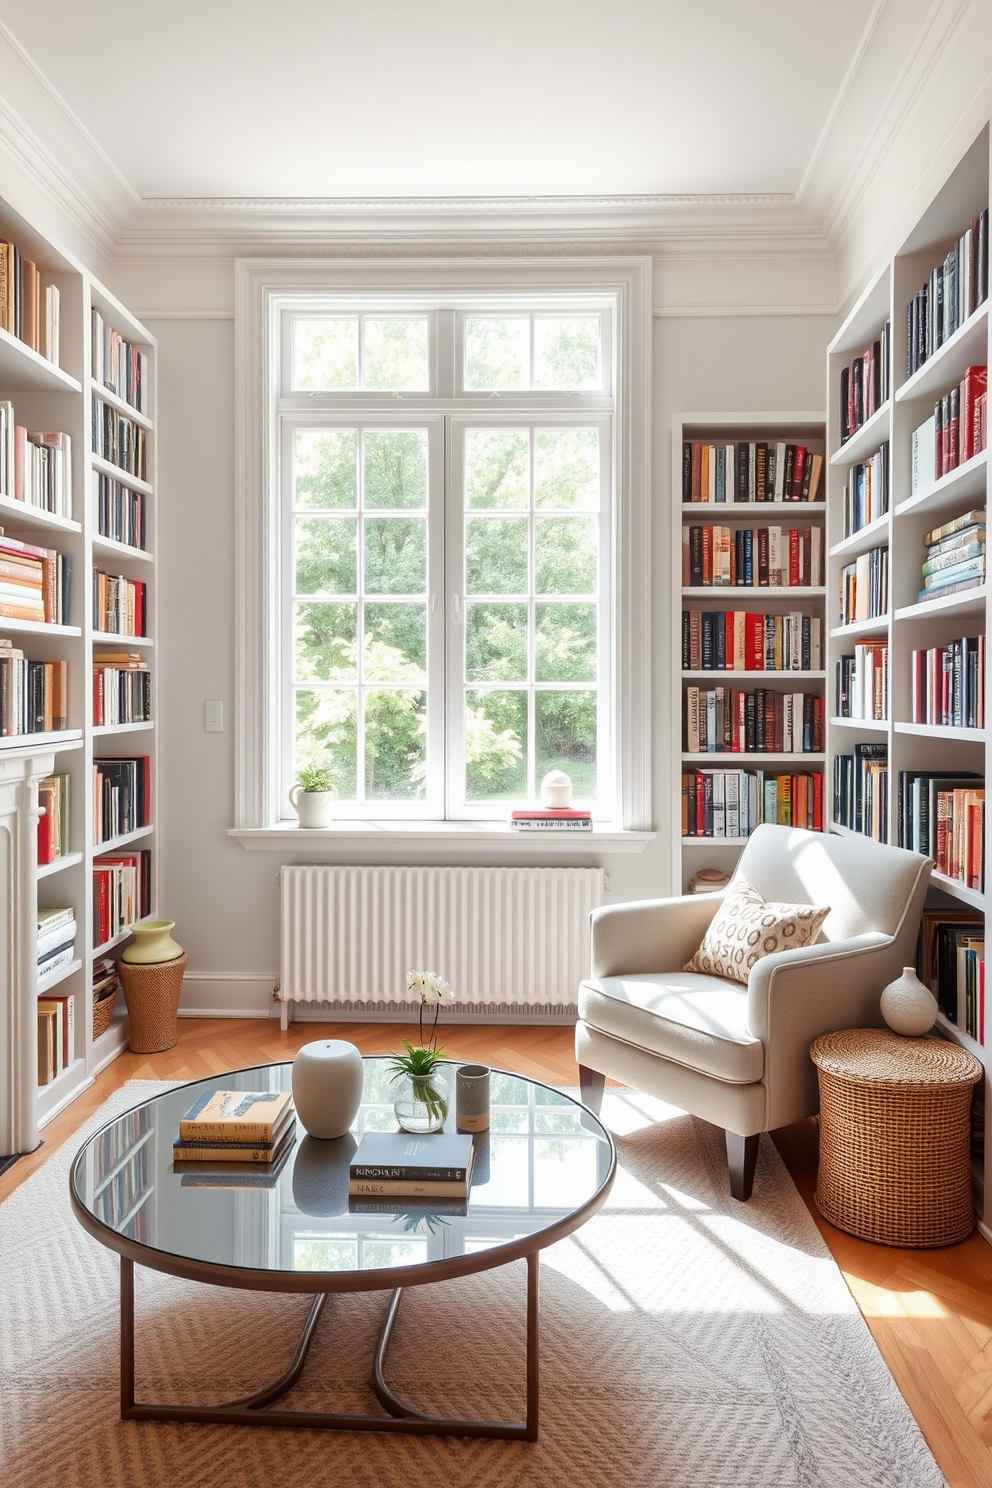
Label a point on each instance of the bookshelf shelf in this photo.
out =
(60, 400)
(905, 766)
(114, 844)
(106, 637)
(142, 727)
(759, 441)
(108, 945)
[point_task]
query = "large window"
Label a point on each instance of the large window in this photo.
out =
(444, 499)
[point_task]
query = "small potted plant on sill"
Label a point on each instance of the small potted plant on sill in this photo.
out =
(423, 1095)
(313, 796)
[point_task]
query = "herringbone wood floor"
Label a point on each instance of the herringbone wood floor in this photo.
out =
(930, 1311)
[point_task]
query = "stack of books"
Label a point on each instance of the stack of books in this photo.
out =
(752, 557)
(709, 881)
(56, 937)
(955, 556)
(956, 433)
(863, 681)
(952, 293)
(551, 819)
(864, 587)
(866, 494)
(948, 684)
(389, 1167)
(951, 961)
(749, 470)
(121, 688)
(865, 385)
(225, 1126)
(55, 820)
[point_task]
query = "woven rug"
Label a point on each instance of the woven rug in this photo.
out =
(687, 1341)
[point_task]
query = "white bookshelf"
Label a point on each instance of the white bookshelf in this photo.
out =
(907, 624)
(693, 853)
(61, 397)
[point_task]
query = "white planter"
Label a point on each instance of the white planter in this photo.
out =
(328, 1080)
(314, 808)
(909, 1007)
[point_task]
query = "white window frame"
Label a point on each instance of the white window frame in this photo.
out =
(264, 290)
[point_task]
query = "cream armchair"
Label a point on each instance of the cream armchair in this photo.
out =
(739, 1056)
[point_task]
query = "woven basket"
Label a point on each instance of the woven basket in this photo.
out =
(152, 996)
(103, 1011)
(895, 1162)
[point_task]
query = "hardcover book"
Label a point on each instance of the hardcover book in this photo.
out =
(235, 1116)
(442, 1157)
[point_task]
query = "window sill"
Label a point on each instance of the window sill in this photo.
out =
(417, 836)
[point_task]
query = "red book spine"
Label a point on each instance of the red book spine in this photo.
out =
(817, 802)
(754, 638)
(798, 470)
(700, 805)
(46, 838)
(973, 384)
(707, 555)
(794, 566)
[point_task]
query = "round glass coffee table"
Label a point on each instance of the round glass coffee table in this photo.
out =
(545, 1166)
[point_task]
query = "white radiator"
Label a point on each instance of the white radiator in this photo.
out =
(508, 940)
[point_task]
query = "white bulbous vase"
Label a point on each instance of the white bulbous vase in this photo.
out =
(908, 1006)
(328, 1080)
(314, 808)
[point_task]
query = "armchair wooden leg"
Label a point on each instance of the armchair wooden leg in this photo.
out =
(591, 1086)
(742, 1155)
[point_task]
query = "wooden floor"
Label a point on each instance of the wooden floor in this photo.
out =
(929, 1311)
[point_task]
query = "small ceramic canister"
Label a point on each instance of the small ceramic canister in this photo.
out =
(328, 1080)
(472, 1098)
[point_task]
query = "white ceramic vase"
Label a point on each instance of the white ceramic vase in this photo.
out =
(556, 790)
(909, 1007)
(314, 808)
(328, 1079)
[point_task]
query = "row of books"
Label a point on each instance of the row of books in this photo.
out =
(29, 310)
(752, 556)
(955, 432)
(35, 465)
(860, 790)
(121, 796)
(118, 365)
(35, 582)
(955, 556)
(750, 470)
(731, 803)
(125, 1194)
(728, 720)
(948, 684)
(54, 818)
(865, 385)
(552, 819)
(239, 1126)
(121, 893)
(941, 814)
(120, 512)
(122, 688)
(748, 641)
(952, 293)
(120, 604)
(56, 939)
(387, 1166)
(118, 439)
(56, 1035)
(34, 695)
(863, 681)
(951, 962)
(866, 491)
(864, 587)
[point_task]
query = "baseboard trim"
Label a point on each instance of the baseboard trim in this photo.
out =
(233, 996)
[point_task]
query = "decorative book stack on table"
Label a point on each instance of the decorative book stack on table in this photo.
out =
(391, 1168)
(237, 1126)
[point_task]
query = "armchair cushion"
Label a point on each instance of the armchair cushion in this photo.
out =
(745, 928)
(698, 1021)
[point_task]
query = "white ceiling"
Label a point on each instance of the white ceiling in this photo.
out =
(449, 98)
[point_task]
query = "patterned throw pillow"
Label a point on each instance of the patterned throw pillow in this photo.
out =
(745, 928)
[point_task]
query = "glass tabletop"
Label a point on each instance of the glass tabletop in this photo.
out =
(546, 1160)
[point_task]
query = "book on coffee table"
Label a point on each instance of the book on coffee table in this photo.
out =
(441, 1157)
(233, 1152)
(237, 1116)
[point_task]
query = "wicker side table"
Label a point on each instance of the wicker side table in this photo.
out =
(895, 1163)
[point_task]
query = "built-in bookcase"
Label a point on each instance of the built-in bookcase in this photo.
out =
(741, 694)
(67, 396)
(893, 747)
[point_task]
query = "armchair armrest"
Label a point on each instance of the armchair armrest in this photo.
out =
(649, 934)
(795, 996)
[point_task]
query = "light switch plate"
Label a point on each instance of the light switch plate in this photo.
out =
(213, 717)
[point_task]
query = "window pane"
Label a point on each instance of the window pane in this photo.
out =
(497, 468)
(496, 555)
(326, 560)
(565, 649)
(495, 746)
(565, 724)
(327, 734)
(497, 353)
(325, 467)
(395, 643)
(496, 643)
(565, 555)
(396, 469)
(325, 643)
(395, 745)
(395, 555)
(567, 468)
(566, 352)
(396, 355)
(325, 354)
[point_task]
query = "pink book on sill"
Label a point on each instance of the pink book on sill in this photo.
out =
(554, 813)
